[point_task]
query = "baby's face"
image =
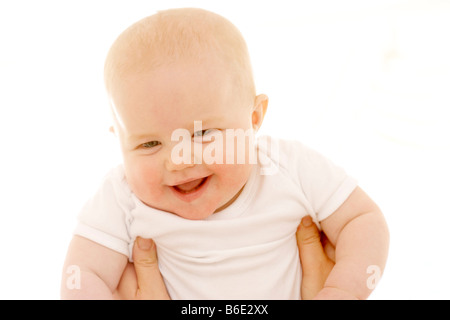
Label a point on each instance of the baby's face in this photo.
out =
(151, 106)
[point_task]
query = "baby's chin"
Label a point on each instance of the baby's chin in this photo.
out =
(195, 215)
(199, 209)
(187, 211)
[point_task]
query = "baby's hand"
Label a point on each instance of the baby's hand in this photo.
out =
(142, 280)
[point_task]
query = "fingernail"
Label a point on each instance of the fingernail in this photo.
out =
(144, 244)
(307, 221)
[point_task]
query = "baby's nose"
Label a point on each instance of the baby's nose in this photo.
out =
(176, 166)
(183, 156)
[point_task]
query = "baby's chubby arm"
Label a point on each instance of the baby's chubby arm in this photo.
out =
(91, 271)
(361, 237)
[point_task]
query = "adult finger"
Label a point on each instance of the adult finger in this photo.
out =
(316, 265)
(149, 280)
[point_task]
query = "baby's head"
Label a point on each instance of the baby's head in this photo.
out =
(173, 71)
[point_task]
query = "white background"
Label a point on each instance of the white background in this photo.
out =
(365, 82)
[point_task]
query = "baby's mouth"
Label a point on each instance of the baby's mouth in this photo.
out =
(191, 186)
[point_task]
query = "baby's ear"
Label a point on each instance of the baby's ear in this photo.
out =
(259, 110)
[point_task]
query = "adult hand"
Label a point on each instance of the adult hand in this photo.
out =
(142, 280)
(316, 258)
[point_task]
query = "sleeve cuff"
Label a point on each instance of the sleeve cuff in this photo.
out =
(337, 199)
(103, 239)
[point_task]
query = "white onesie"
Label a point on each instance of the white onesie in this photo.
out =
(246, 251)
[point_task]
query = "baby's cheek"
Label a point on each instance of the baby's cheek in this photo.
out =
(145, 182)
(231, 177)
(231, 146)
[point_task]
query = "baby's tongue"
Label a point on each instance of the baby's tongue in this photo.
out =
(188, 186)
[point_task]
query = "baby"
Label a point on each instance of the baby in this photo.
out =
(222, 206)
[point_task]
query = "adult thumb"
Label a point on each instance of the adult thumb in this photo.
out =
(312, 255)
(316, 266)
(150, 282)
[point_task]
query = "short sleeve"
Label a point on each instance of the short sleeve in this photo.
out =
(105, 217)
(325, 185)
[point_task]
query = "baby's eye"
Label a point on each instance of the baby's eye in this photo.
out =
(203, 132)
(150, 144)
(207, 134)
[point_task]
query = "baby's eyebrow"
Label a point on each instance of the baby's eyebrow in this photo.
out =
(206, 123)
(142, 137)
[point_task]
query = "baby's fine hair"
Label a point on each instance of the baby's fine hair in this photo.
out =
(180, 34)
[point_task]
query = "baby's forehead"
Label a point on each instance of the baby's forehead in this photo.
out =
(173, 35)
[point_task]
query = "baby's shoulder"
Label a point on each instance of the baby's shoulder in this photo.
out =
(114, 187)
(282, 151)
(278, 153)
(291, 157)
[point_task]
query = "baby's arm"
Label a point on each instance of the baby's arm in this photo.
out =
(359, 232)
(91, 271)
